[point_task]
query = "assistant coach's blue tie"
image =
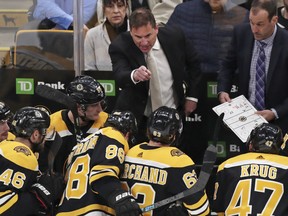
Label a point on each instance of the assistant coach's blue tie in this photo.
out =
(260, 78)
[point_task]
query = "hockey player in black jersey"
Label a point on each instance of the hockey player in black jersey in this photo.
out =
(255, 183)
(22, 190)
(89, 95)
(155, 170)
(93, 185)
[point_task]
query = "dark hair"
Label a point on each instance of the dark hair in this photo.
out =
(107, 2)
(268, 5)
(141, 17)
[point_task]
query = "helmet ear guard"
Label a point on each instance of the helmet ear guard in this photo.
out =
(265, 138)
(164, 125)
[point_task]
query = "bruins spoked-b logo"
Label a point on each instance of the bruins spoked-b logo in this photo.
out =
(176, 152)
(22, 149)
(79, 87)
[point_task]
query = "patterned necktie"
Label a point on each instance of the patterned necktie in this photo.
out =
(260, 78)
(154, 83)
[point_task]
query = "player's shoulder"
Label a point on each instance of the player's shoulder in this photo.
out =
(114, 134)
(57, 117)
(56, 114)
(171, 156)
(58, 121)
(255, 158)
(19, 154)
(176, 157)
(11, 136)
(233, 161)
(101, 120)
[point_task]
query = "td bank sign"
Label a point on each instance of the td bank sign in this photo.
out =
(26, 86)
(109, 86)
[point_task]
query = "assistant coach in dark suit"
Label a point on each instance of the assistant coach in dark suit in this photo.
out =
(243, 57)
(176, 61)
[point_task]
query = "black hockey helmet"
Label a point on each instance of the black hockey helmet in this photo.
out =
(5, 112)
(125, 122)
(28, 119)
(85, 90)
(164, 125)
(266, 138)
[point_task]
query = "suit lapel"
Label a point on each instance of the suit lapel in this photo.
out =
(275, 54)
(248, 43)
(135, 54)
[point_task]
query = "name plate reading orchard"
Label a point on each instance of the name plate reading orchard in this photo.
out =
(239, 116)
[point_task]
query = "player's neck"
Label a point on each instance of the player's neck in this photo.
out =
(158, 144)
(24, 141)
(81, 121)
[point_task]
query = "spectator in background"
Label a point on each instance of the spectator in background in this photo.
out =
(5, 114)
(259, 53)
(22, 190)
(161, 9)
(89, 95)
(254, 183)
(159, 59)
(209, 26)
(58, 14)
(283, 15)
(98, 39)
(155, 170)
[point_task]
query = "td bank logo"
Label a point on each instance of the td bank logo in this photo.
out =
(221, 149)
(109, 86)
(25, 86)
(212, 89)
